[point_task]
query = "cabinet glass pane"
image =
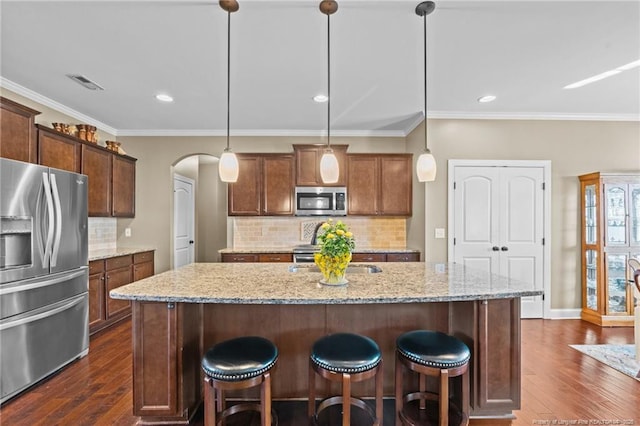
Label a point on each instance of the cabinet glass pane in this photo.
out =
(590, 214)
(634, 214)
(617, 283)
(591, 258)
(616, 214)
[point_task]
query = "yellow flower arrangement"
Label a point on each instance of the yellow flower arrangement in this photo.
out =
(336, 245)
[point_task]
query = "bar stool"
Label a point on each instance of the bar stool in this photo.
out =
(346, 358)
(431, 353)
(239, 363)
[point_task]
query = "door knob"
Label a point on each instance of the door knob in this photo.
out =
(504, 248)
(190, 241)
(495, 248)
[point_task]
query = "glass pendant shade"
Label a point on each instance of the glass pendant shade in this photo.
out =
(426, 167)
(228, 167)
(329, 170)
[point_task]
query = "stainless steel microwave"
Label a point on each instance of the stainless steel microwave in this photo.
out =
(321, 201)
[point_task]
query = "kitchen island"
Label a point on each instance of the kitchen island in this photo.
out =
(178, 314)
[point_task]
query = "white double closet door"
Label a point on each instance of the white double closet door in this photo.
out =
(499, 224)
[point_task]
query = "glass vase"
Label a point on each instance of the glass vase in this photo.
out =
(333, 268)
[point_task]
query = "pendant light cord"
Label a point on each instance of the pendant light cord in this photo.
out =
(426, 149)
(329, 81)
(228, 75)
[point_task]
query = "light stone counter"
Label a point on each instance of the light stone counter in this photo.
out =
(272, 283)
(120, 251)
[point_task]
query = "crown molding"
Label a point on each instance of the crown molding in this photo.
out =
(261, 133)
(532, 116)
(36, 97)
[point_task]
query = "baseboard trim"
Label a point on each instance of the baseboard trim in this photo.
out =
(564, 314)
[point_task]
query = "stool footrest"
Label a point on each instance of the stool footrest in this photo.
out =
(428, 396)
(335, 400)
(245, 406)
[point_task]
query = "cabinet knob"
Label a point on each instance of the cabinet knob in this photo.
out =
(495, 248)
(504, 248)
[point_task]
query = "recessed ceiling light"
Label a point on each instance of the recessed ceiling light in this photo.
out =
(487, 98)
(321, 98)
(603, 75)
(163, 97)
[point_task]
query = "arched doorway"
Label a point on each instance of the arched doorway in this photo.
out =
(210, 210)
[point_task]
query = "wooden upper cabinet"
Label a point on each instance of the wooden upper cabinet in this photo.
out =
(58, 150)
(307, 159)
(96, 164)
(396, 185)
(379, 184)
(245, 193)
(264, 186)
(17, 131)
(277, 181)
(123, 181)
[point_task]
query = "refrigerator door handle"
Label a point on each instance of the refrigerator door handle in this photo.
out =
(42, 283)
(47, 193)
(43, 314)
(56, 201)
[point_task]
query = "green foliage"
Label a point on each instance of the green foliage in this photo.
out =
(336, 240)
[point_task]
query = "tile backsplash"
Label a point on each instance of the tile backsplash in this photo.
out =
(287, 232)
(102, 233)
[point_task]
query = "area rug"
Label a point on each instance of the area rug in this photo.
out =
(619, 357)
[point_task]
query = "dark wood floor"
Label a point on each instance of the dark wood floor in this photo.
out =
(558, 382)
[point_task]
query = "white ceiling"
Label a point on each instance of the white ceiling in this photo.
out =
(522, 52)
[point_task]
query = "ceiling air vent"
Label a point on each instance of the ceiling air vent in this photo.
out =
(80, 79)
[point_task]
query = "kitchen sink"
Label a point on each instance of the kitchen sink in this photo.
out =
(351, 269)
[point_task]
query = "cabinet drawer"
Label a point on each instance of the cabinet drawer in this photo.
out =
(118, 262)
(226, 257)
(403, 257)
(143, 257)
(96, 266)
(276, 257)
(368, 257)
(142, 270)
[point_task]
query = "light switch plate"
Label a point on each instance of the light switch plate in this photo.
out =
(439, 233)
(127, 232)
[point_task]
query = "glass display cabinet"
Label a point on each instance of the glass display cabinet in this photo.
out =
(610, 235)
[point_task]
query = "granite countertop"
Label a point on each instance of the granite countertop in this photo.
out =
(272, 283)
(120, 251)
(290, 250)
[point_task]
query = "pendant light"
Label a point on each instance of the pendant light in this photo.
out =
(426, 165)
(228, 166)
(329, 169)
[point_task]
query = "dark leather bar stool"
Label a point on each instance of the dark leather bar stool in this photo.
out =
(238, 363)
(431, 353)
(346, 358)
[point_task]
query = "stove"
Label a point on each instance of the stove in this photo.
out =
(304, 253)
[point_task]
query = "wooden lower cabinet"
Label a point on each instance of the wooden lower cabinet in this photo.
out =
(169, 340)
(288, 257)
(166, 361)
(107, 274)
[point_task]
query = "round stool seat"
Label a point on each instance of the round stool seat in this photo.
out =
(433, 349)
(346, 353)
(239, 359)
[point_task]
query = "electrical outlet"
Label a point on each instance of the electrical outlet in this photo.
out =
(439, 233)
(127, 232)
(440, 268)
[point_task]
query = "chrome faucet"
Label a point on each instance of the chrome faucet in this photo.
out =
(315, 234)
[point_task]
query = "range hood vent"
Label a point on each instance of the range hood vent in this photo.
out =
(80, 79)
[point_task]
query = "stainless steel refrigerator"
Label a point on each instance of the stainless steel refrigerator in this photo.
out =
(43, 273)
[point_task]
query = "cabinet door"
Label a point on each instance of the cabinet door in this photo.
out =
(308, 164)
(277, 180)
(117, 278)
(96, 164)
(17, 132)
(96, 299)
(396, 180)
(142, 270)
(58, 151)
(634, 215)
(123, 201)
(245, 194)
(615, 207)
(362, 186)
